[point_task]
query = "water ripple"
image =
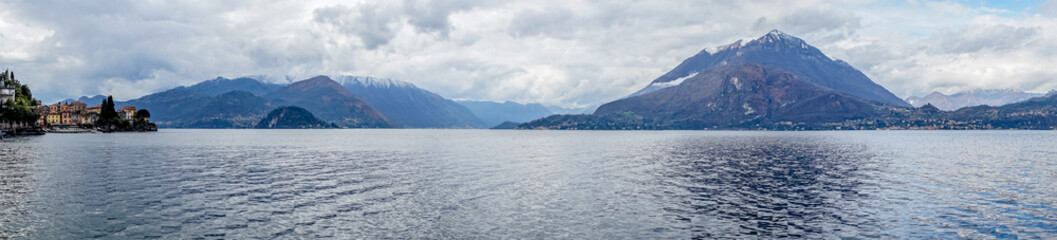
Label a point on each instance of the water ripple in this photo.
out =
(344, 184)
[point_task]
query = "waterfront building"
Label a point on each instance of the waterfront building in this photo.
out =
(53, 118)
(127, 113)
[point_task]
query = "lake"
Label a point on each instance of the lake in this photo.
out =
(530, 184)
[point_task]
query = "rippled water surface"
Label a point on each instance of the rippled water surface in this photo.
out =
(529, 184)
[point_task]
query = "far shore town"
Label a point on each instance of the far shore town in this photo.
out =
(69, 114)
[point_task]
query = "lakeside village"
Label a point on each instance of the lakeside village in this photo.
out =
(21, 114)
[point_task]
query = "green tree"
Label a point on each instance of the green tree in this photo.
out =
(143, 114)
(108, 117)
(17, 110)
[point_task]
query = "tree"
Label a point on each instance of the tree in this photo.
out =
(108, 118)
(143, 114)
(17, 110)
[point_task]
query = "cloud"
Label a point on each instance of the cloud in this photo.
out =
(373, 24)
(982, 37)
(568, 53)
(1049, 8)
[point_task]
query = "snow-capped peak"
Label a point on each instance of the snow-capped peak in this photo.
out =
(779, 36)
(373, 82)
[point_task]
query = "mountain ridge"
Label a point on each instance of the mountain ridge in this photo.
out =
(976, 97)
(410, 106)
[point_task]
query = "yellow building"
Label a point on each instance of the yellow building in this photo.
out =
(54, 118)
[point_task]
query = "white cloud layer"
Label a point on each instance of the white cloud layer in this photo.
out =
(568, 53)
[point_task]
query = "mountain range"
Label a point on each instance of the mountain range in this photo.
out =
(410, 106)
(989, 97)
(346, 100)
(780, 82)
(243, 102)
(777, 81)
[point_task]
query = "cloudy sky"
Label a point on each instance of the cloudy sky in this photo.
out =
(557, 52)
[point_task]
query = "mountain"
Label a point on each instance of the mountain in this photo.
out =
(331, 102)
(184, 106)
(494, 113)
(990, 97)
(755, 97)
(235, 109)
(727, 97)
(170, 108)
(781, 51)
(291, 117)
(409, 106)
(1037, 113)
(91, 101)
(221, 85)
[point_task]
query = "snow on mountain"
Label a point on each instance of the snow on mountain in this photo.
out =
(373, 82)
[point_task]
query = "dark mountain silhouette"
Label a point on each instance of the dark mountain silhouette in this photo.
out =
(494, 113)
(410, 106)
(331, 102)
(786, 52)
(291, 117)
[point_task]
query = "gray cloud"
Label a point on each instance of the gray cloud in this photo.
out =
(373, 24)
(556, 22)
(810, 21)
(1049, 8)
(433, 15)
(986, 37)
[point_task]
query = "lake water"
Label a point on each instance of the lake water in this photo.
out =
(529, 184)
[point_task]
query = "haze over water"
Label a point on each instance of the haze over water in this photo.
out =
(529, 184)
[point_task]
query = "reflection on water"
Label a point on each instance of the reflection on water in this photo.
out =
(529, 184)
(788, 187)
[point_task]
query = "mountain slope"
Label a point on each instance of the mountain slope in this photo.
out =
(222, 85)
(291, 117)
(170, 108)
(410, 106)
(740, 97)
(181, 106)
(91, 101)
(235, 109)
(494, 113)
(989, 97)
(786, 52)
(331, 102)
